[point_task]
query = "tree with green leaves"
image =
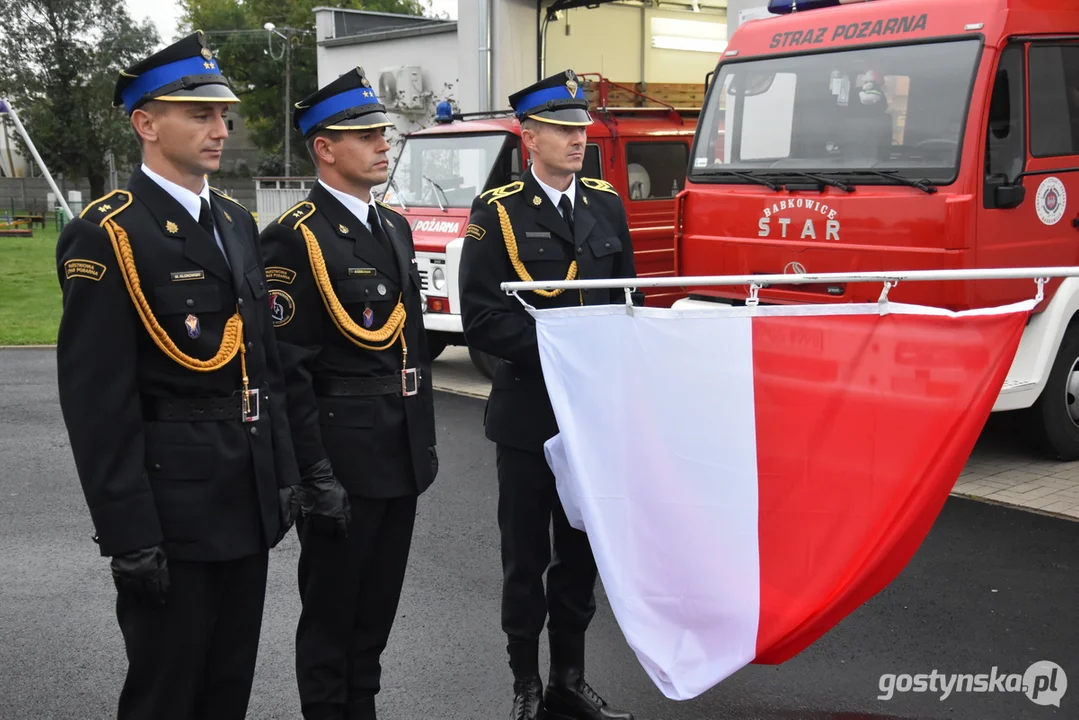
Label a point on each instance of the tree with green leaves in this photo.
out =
(249, 57)
(61, 59)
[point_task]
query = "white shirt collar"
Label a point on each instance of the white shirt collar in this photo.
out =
(556, 195)
(353, 204)
(189, 200)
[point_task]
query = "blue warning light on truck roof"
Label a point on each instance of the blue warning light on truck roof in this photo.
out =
(783, 7)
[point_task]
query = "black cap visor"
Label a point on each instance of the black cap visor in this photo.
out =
(367, 121)
(563, 116)
(214, 92)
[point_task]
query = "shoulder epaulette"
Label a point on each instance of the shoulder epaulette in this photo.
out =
(500, 192)
(596, 184)
(394, 210)
(297, 214)
(231, 199)
(105, 207)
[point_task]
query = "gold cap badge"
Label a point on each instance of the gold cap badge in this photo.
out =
(207, 54)
(536, 201)
(172, 227)
(571, 85)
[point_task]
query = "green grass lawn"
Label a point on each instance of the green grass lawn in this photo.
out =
(29, 291)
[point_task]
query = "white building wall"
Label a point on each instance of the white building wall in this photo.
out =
(436, 55)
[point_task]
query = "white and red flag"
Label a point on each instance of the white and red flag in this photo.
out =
(748, 477)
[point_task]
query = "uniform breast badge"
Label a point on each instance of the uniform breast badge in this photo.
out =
(368, 317)
(193, 328)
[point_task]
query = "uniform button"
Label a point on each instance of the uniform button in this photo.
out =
(157, 466)
(240, 302)
(366, 291)
(250, 346)
(580, 249)
(254, 431)
(190, 302)
(540, 251)
(329, 415)
(606, 245)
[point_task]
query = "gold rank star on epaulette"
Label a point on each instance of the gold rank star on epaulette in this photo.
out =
(297, 214)
(601, 185)
(105, 207)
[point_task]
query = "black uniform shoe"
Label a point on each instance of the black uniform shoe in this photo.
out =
(362, 708)
(527, 700)
(569, 697)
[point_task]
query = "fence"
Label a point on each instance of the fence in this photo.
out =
(275, 195)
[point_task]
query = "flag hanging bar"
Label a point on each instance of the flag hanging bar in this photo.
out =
(760, 281)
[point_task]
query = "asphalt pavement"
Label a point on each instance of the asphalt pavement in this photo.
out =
(992, 587)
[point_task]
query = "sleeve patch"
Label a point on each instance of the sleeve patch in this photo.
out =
(282, 308)
(280, 274)
(89, 269)
(475, 232)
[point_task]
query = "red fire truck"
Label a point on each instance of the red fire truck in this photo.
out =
(640, 143)
(850, 136)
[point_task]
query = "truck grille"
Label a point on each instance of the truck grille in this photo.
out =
(425, 278)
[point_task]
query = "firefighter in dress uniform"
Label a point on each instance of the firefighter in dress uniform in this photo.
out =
(345, 296)
(550, 225)
(173, 397)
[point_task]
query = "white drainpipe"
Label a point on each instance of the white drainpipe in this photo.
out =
(485, 22)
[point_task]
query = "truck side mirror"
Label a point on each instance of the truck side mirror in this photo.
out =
(1003, 194)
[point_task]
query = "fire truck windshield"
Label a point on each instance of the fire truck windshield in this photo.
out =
(895, 109)
(446, 170)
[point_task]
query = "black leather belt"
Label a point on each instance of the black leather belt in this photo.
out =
(192, 409)
(358, 387)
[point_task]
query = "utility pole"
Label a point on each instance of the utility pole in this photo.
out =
(287, 36)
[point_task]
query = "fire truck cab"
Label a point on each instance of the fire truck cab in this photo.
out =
(850, 136)
(639, 142)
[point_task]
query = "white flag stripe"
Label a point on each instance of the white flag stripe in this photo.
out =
(687, 385)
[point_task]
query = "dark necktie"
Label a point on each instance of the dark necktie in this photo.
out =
(206, 220)
(377, 231)
(567, 211)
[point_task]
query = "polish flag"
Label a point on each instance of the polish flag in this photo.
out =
(748, 477)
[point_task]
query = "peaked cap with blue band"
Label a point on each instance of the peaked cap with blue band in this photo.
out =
(347, 103)
(558, 100)
(185, 71)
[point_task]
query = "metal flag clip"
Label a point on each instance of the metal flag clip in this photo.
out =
(882, 301)
(1041, 289)
(629, 299)
(754, 295)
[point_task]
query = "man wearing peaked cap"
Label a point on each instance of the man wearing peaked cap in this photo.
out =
(345, 294)
(550, 225)
(173, 397)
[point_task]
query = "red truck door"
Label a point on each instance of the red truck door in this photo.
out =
(655, 171)
(1032, 141)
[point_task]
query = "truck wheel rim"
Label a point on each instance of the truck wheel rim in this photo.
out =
(1071, 393)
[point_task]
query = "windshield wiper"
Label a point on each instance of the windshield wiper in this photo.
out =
(438, 190)
(397, 194)
(922, 185)
(745, 176)
(845, 187)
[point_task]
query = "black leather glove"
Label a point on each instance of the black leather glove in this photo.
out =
(323, 501)
(143, 573)
(288, 500)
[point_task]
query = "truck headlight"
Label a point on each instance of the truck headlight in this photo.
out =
(438, 279)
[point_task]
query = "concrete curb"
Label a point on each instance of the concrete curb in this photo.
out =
(27, 347)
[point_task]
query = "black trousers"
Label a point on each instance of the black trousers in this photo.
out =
(528, 505)
(350, 589)
(194, 657)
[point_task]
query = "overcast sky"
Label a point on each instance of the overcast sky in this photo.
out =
(166, 13)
